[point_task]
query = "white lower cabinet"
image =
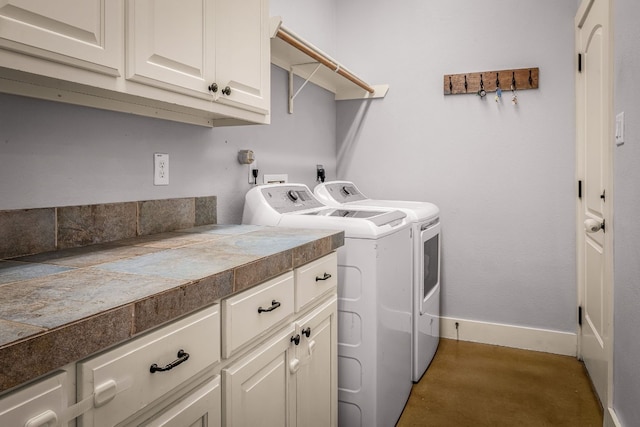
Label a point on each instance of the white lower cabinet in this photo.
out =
(42, 404)
(257, 386)
(199, 408)
(129, 378)
(316, 376)
(291, 379)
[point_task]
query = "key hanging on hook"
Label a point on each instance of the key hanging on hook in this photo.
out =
(498, 88)
(482, 93)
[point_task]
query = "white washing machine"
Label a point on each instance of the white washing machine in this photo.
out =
(374, 297)
(425, 221)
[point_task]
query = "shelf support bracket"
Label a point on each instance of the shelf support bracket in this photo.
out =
(292, 97)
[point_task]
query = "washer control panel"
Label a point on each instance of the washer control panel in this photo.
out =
(290, 198)
(344, 192)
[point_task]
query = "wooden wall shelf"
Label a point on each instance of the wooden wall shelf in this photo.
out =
(470, 83)
(296, 55)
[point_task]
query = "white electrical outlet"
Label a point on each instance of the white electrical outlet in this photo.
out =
(160, 169)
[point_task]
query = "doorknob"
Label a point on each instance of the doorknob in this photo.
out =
(592, 226)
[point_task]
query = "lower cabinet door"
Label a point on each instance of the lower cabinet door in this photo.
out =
(202, 408)
(316, 378)
(38, 405)
(257, 386)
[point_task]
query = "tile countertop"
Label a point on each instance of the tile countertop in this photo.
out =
(59, 307)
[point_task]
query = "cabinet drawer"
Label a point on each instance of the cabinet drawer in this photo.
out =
(37, 405)
(315, 278)
(255, 311)
(201, 407)
(122, 380)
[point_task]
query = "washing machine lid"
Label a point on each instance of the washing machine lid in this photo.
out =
(346, 194)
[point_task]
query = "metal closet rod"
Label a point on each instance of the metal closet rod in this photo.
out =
(283, 35)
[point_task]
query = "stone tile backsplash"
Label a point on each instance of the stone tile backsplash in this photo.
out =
(32, 231)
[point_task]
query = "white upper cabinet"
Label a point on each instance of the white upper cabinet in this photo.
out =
(205, 62)
(83, 33)
(243, 53)
(170, 44)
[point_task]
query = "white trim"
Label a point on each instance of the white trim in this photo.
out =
(548, 341)
(611, 419)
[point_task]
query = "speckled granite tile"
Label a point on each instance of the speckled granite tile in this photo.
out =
(10, 331)
(158, 216)
(90, 224)
(54, 349)
(67, 297)
(206, 210)
(13, 271)
(184, 263)
(27, 231)
(177, 302)
(259, 271)
(310, 251)
(88, 256)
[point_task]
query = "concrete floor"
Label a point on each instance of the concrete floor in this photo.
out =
(469, 384)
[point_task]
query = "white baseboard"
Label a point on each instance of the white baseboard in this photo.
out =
(611, 419)
(544, 340)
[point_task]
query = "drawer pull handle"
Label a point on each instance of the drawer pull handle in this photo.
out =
(307, 332)
(295, 339)
(325, 277)
(182, 357)
(274, 304)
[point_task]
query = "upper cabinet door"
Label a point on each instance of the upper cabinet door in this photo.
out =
(83, 33)
(170, 44)
(243, 53)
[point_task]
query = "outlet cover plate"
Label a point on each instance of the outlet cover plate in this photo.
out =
(160, 169)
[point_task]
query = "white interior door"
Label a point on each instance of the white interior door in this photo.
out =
(594, 168)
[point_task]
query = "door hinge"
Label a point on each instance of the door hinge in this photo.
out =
(579, 189)
(579, 62)
(603, 229)
(602, 196)
(580, 315)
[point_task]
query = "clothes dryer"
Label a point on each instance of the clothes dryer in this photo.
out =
(425, 221)
(374, 297)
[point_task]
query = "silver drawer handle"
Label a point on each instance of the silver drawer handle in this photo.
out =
(325, 277)
(274, 304)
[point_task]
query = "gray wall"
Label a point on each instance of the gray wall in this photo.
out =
(502, 175)
(54, 154)
(626, 361)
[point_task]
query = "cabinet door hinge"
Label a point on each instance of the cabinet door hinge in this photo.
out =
(579, 62)
(580, 315)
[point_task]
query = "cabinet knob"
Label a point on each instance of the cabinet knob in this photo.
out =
(226, 91)
(307, 332)
(295, 339)
(213, 87)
